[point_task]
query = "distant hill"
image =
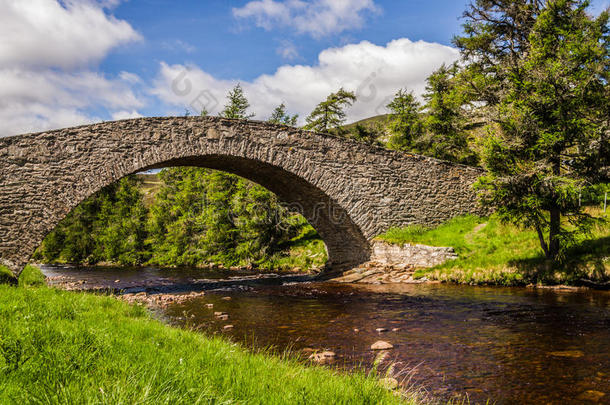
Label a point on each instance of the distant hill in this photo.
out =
(368, 121)
(149, 187)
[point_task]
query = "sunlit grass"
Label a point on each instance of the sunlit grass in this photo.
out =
(76, 348)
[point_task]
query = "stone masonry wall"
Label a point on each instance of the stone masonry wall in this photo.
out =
(416, 256)
(349, 192)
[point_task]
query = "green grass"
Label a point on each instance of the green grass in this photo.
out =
(491, 252)
(306, 251)
(59, 347)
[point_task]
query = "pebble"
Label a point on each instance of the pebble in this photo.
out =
(209, 305)
(227, 327)
(322, 357)
(379, 330)
(381, 345)
(226, 298)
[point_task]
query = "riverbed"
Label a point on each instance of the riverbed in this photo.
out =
(508, 345)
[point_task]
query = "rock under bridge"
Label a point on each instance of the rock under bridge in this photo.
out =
(348, 191)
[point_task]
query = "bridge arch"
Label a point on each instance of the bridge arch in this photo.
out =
(348, 191)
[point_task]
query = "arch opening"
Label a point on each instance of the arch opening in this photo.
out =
(345, 244)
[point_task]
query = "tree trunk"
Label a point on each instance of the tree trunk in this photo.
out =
(555, 228)
(543, 244)
(555, 218)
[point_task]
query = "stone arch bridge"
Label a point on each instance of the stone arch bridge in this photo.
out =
(348, 191)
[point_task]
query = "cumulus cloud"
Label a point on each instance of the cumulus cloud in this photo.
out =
(38, 100)
(46, 54)
(374, 72)
(45, 33)
(317, 18)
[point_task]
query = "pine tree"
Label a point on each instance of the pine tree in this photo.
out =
(446, 121)
(280, 116)
(404, 123)
(330, 113)
(237, 105)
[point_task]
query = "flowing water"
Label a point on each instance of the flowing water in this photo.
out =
(508, 345)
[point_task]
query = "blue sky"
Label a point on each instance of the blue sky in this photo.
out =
(207, 33)
(68, 62)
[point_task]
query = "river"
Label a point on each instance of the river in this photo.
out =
(508, 345)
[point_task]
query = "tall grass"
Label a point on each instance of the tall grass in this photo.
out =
(59, 347)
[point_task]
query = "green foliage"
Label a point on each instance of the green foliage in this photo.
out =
(330, 113)
(543, 72)
(280, 116)
(75, 348)
(110, 226)
(369, 134)
(440, 130)
(237, 105)
(404, 122)
(201, 216)
(496, 36)
(446, 137)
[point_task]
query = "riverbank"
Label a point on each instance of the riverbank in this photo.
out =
(67, 347)
(493, 253)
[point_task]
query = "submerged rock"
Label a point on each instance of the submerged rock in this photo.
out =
(591, 395)
(568, 353)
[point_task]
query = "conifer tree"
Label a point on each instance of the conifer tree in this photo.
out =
(330, 114)
(237, 104)
(542, 70)
(280, 116)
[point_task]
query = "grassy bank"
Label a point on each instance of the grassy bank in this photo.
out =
(494, 253)
(65, 347)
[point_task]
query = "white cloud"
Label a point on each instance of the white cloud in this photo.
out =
(45, 33)
(374, 72)
(317, 18)
(38, 100)
(123, 115)
(46, 53)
